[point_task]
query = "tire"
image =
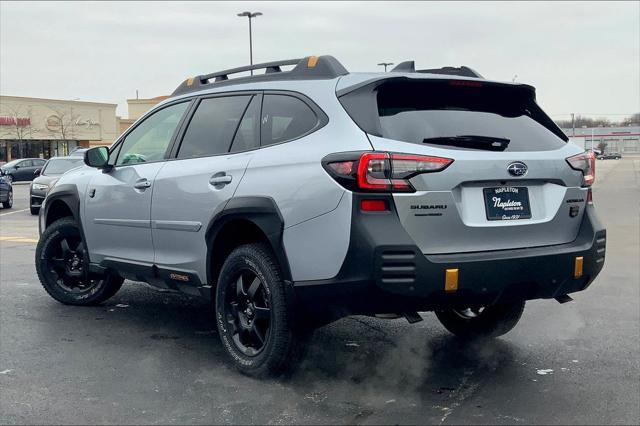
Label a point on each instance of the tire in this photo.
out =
(61, 267)
(9, 203)
(9, 178)
(488, 322)
(253, 314)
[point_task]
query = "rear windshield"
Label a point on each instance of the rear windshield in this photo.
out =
(456, 114)
(58, 166)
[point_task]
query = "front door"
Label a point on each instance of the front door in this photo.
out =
(117, 215)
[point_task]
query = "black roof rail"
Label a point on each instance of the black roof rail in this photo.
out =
(311, 67)
(409, 66)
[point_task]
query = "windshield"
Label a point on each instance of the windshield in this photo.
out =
(57, 166)
(12, 163)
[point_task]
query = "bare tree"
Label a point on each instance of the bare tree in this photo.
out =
(63, 122)
(18, 123)
(634, 119)
(602, 146)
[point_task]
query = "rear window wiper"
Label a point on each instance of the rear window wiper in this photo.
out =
(489, 143)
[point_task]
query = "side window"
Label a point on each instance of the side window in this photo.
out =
(26, 163)
(248, 133)
(212, 126)
(150, 139)
(38, 163)
(285, 118)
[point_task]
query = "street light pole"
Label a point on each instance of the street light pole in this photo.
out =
(250, 15)
(385, 65)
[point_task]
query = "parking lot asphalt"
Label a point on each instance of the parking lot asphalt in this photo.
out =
(147, 357)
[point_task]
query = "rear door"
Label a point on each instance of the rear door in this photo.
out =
(209, 163)
(509, 185)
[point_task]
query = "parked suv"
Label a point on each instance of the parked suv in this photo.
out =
(294, 198)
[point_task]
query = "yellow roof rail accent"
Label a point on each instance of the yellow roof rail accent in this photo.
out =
(313, 60)
(190, 81)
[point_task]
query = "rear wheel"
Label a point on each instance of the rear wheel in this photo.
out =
(61, 263)
(253, 314)
(484, 322)
(9, 203)
(9, 178)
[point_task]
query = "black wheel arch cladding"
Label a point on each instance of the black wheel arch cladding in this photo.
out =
(67, 195)
(261, 212)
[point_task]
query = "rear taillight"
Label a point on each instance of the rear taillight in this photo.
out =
(381, 171)
(586, 163)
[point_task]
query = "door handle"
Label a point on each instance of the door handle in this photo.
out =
(217, 180)
(142, 184)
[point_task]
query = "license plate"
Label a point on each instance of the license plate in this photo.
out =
(507, 203)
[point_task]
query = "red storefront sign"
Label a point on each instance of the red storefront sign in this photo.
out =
(12, 121)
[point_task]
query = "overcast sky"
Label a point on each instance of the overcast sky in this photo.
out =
(582, 57)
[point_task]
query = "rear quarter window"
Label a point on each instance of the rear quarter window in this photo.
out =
(285, 118)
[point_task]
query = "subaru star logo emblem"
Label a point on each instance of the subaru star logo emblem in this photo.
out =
(517, 168)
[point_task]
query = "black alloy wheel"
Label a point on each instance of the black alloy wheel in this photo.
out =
(247, 312)
(63, 270)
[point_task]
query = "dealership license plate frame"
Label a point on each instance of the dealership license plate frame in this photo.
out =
(517, 194)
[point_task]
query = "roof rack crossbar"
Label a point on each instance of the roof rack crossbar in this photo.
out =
(270, 67)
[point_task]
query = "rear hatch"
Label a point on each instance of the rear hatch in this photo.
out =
(509, 185)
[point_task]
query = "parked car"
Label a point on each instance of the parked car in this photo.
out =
(609, 156)
(48, 176)
(294, 198)
(6, 193)
(22, 170)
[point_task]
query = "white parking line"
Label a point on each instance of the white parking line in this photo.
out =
(17, 211)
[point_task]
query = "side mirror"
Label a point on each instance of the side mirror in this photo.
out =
(37, 172)
(97, 157)
(16, 167)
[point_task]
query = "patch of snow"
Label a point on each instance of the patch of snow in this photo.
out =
(544, 372)
(5, 371)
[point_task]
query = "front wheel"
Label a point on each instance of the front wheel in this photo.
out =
(9, 178)
(61, 263)
(483, 322)
(253, 314)
(9, 203)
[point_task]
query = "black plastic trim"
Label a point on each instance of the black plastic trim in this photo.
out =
(261, 211)
(67, 194)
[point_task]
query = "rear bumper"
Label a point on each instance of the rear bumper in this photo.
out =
(384, 271)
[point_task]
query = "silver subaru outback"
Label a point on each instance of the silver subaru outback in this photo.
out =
(306, 193)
